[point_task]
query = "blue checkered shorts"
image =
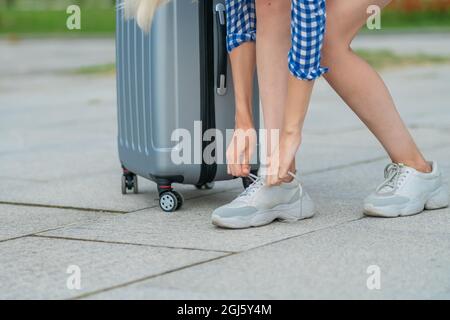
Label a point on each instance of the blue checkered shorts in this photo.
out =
(308, 19)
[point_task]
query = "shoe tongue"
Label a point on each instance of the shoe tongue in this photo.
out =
(254, 187)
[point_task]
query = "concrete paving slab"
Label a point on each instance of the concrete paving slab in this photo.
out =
(328, 151)
(327, 264)
(62, 162)
(32, 122)
(54, 55)
(431, 222)
(191, 228)
(19, 221)
(414, 90)
(36, 268)
(83, 192)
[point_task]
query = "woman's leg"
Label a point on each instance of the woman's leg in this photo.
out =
(241, 34)
(252, 208)
(361, 87)
(272, 47)
(307, 33)
(243, 62)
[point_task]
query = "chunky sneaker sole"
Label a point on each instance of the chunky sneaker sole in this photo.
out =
(285, 213)
(438, 199)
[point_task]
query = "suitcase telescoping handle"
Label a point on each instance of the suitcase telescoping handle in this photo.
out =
(222, 59)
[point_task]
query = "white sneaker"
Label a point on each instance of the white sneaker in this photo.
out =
(260, 205)
(406, 192)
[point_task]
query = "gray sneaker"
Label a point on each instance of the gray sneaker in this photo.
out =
(406, 192)
(260, 205)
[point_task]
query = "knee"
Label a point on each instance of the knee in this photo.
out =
(333, 49)
(337, 40)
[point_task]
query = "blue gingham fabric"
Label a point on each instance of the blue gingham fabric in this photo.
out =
(241, 22)
(308, 19)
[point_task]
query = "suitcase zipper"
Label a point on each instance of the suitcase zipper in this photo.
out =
(207, 94)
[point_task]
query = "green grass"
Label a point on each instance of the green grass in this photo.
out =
(102, 69)
(379, 59)
(50, 22)
(384, 59)
(415, 20)
(95, 21)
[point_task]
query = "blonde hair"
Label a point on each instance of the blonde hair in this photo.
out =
(142, 11)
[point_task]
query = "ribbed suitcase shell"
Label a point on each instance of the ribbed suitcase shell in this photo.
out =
(159, 90)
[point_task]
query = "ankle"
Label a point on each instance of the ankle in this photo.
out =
(421, 165)
(289, 178)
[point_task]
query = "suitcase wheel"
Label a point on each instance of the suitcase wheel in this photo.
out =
(170, 201)
(206, 186)
(129, 182)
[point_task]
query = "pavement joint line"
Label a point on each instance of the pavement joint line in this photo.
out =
(362, 162)
(125, 284)
(23, 179)
(89, 294)
(418, 125)
(41, 235)
(315, 132)
(78, 176)
(306, 233)
(34, 233)
(344, 166)
(411, 126)
(49, 206)
(15, 238)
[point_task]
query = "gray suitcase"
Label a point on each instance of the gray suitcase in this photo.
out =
(175, 76)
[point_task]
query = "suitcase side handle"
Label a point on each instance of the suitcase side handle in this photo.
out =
(222, 59)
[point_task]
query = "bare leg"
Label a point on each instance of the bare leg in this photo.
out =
(299, 95)
(361, 87)
(243, 61)
(300, 85)
(272, 47)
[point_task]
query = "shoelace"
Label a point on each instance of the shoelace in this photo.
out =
(394, 174)
(293, 175)
(258, 182)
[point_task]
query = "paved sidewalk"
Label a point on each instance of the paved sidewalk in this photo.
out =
(61, 206)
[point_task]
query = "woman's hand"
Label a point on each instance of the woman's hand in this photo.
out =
(282, 158)
(240, 151)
